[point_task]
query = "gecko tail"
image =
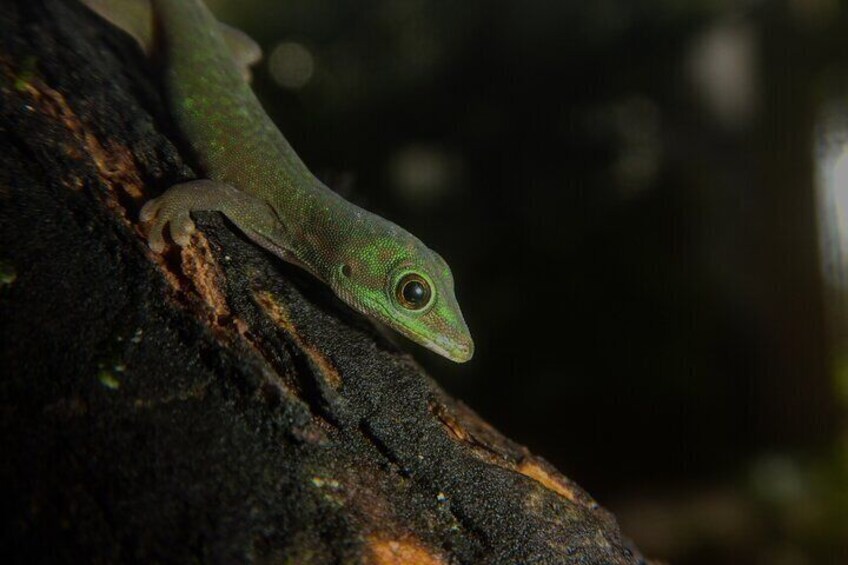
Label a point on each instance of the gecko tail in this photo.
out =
(135, 17)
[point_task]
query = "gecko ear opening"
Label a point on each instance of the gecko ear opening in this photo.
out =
(347, 271)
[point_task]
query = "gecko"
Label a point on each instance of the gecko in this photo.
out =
(256, 180)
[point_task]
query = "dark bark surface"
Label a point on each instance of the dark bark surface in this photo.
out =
(213, 404)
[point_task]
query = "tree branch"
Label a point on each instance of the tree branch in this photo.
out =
(214, 403)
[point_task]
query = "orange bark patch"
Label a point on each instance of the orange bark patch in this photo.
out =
(401, 552)
(115, 165)
(450, 422)
(114, 162)
(548, 479)
(278, 313)
(200, 267)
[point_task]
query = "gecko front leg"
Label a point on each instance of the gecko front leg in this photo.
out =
(250, 214)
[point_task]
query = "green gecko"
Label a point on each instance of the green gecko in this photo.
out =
(258, 182)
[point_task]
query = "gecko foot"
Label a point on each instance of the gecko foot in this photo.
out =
(163, 211)
(250, 214)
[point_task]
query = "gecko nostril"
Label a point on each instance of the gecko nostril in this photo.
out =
(346, 270)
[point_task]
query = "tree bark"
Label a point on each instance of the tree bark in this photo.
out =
(213, 403)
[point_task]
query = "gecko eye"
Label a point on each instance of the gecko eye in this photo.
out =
(413, 292)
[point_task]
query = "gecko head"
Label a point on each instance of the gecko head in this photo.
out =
(407, 286)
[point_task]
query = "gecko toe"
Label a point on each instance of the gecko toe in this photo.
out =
(181, 229)
(155, 241)
(149, 210)
(150, 213)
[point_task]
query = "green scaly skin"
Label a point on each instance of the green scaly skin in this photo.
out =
(256, 179)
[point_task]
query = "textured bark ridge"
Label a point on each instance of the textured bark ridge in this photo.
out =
(213, 404)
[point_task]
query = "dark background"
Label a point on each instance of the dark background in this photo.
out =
(645, 205)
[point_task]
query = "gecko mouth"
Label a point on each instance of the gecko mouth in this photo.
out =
(460, 352)
(456, 351)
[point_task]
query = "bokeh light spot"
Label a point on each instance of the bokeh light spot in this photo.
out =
(291, 65)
